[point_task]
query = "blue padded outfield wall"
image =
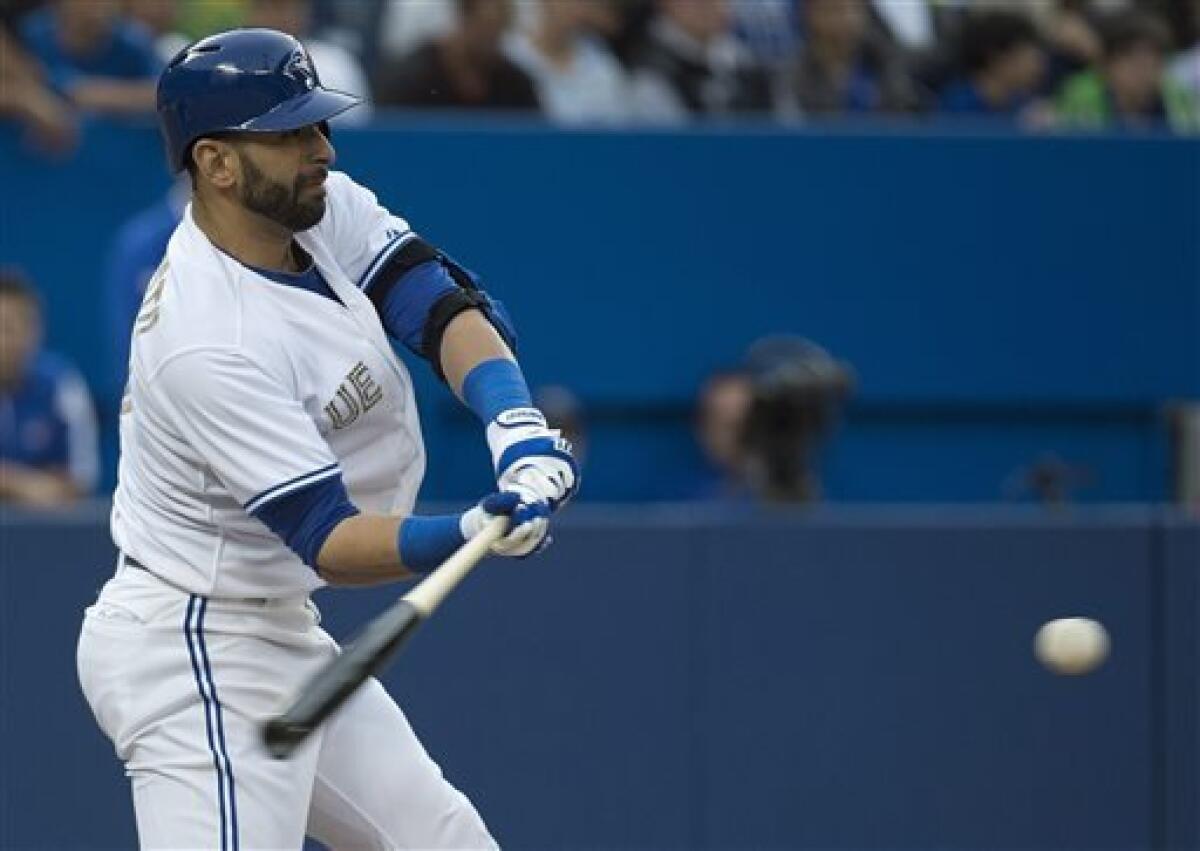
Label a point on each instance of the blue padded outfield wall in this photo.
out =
(666, 679)
(999, 297)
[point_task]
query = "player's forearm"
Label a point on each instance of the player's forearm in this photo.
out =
(362, 550)
(469, 341)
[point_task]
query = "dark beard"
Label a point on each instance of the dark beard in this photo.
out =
(275, 202)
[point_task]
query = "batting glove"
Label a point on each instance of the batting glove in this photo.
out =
(531, 458)
(529, 522)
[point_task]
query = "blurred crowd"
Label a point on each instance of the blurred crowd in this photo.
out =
(1036, 63)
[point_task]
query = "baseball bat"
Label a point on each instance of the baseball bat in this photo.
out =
(330, 686)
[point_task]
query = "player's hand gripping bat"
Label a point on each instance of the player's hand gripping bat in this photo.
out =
(329, 687)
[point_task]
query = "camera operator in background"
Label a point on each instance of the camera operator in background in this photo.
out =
(48, 445)
(762, 427)
(799, 389)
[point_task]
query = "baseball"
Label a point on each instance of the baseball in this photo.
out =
(1071, 646)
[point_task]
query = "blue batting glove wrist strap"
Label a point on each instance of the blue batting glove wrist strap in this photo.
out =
(495, 386)
(426, 542)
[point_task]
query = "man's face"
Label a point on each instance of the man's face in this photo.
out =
(20, 332)
(1023, 67)
(283, 176)
(703, 20)
(838, 23)
(1135, 76)
(485, 23)
(724, 406)
(289, 16)
(565, 15)
(89, 19)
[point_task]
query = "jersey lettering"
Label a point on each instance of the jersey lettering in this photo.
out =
(151, 302)
(357, 394)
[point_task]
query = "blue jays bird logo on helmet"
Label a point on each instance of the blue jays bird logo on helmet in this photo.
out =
(300, 68)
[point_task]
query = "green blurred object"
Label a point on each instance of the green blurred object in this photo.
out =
(198, 18)
(1084, 101)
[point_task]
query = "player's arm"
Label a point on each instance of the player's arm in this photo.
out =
(259, 441)
(437, 309)
(346, 547)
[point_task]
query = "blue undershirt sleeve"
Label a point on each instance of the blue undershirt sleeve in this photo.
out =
(304, 518)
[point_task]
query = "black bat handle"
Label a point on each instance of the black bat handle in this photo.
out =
(340, 678)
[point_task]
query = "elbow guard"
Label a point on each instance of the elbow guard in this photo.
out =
(466, 296)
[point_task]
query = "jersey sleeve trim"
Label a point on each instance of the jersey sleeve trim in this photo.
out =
(396, 243)
(290, 486)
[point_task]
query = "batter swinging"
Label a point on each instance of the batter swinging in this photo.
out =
(270, 445)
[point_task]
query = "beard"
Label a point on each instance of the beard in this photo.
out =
(279, 203)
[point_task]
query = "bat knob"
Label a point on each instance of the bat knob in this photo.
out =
(281, 737)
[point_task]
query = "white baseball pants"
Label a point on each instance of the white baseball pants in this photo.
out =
(180, 683)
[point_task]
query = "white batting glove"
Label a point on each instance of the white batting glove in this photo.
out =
(531, 458)
(529, 522)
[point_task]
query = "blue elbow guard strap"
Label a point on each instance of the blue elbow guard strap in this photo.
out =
(468, 295)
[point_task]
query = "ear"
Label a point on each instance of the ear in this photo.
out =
(217, 163)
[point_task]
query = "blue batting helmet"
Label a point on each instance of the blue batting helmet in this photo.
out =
(248, 80)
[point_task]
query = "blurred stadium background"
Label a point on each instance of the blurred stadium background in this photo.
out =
(877, 322)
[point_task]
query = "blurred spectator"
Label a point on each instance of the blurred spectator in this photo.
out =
(92, 56)
(623, 24)
(578, 80)
(691, 64)
(1129, 87)
(1003, 66)
(133, 256)
(913, 24)
(767, 28)
(408, 23)
(722, 409)
(798, 390)
(842, 68)
(338, 68)
(357, 25)
(26, 97)
(158, 17)
(198, 18)
(462, 69)
(48, 453)
(1185, 69)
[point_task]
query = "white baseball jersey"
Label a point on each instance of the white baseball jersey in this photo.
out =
(242, 390)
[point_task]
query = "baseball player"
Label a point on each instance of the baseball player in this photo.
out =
(269, 446)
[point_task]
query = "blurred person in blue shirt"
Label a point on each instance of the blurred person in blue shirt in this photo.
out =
(1003, 64)
(843, 66)
(48, 450)
(134, 254)
(93, 56)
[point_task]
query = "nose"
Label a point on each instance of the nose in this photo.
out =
(324, 153)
